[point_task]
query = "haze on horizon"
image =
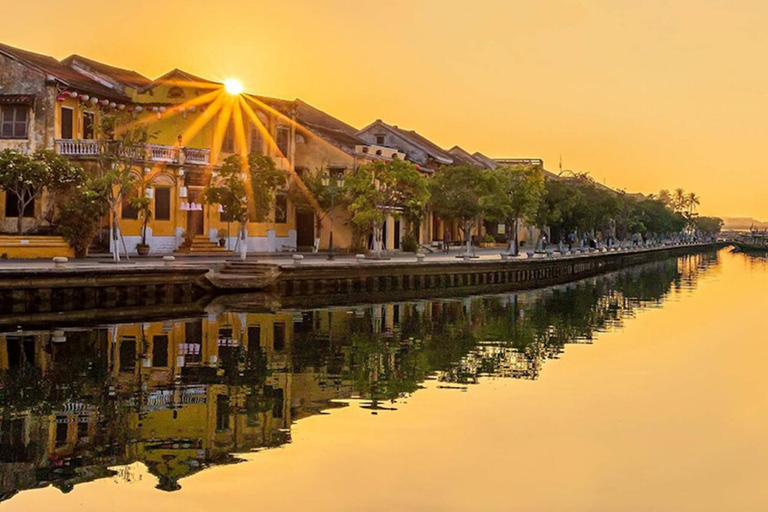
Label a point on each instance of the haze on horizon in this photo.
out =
(643, 95)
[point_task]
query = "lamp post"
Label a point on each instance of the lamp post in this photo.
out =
(333, 187)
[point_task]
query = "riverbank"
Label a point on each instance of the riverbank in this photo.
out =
(33, 289)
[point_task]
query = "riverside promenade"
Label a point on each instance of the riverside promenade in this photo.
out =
(156, 283)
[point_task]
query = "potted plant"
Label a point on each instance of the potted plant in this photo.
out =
(222, 235)
(487, 241)
(142, 204)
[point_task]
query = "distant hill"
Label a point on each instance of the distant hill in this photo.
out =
(738, 223)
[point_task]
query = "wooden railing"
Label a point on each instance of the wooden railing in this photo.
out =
(154, 152)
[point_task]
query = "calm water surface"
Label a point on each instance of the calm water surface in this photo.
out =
(641, 390)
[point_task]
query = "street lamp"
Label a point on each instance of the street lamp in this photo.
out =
(333, 186)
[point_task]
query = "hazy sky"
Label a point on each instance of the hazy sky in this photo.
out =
(643, 94)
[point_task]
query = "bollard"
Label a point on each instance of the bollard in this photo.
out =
(420, 257)
(297, 259)
(360, 258)
(505, 256)
(168, 260)
(60, 261)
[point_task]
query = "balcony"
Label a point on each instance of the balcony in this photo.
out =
(153, 152)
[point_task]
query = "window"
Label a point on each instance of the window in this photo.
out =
(380, 139)
(160, 351)
(163, 203)
(222, 412)
(128, 354)
(62, 431)
(281, 209)
(12, 207)
(278, 331)
(175, 92)
(14, 122)
(282, 139)
(128, 211)
(89, 125)
(228, 144)
(67, 123)
(257, 141)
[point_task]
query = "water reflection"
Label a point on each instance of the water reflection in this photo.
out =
(183, 394)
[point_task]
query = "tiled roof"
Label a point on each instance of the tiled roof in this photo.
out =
(60, 72)
(433, 149)
(123, 76)
(178, 75)
(461, 156)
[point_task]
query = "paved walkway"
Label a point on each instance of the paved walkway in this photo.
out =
(279, 259)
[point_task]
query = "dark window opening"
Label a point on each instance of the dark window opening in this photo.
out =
(194, 342)
(282, 140)
(257, 141)
(62, 429)
(278, 331)
(67, 123)
(175, 92)
(128, 354)
(222, 412)
(14, 122)
(281, 209)
(128, 211)
(163, 203)
(160, 351)
(276, 397)
(380, 140)
(12, 207)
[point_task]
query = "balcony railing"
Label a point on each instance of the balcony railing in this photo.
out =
(154, 152)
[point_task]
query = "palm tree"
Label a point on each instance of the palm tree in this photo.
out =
(680, 200)
(693, 201)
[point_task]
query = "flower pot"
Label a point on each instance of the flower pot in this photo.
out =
(143, 250)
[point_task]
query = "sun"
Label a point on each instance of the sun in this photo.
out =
(233, 86)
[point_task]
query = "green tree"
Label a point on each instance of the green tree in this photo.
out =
(266, 179)
(519, 192)
(231, 193)
(316, 197)
(26, 178)
(79, 217)
(709, 225)
(465, 193)
(123, 149)
(380, 189)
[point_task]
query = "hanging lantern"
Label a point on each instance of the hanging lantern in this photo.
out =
(192, 108)
(184, 206)
(112, 104)
(85, 97)
(61, 98)
(155, 109)
(121, 107)
(139, 108)
(94, 100)
(104, 102)
(162, 109)
(130, 109)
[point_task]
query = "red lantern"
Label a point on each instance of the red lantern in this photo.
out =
(61, 98)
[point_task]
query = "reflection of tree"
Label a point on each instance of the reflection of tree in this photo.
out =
(379, 353)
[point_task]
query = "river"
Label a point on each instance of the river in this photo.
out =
(644, 389)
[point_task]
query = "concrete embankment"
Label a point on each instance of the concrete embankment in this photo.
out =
(44, 293)
(442, 278)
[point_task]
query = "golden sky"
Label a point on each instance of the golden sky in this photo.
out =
(643, 94)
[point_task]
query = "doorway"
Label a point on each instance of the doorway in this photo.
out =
(305, 230)
(195, 219)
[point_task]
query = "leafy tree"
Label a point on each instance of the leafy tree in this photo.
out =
(124, 147)
(26, 178)
(709, 225)
(315, 197)
(465, 193)
(519, 192)
(266, 179)
(79, 218)
(380, 189)
(231, 193)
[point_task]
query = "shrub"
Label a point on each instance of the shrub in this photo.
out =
(409, 244)
(79, 218)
